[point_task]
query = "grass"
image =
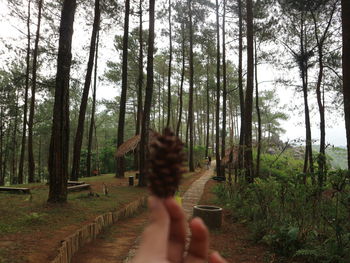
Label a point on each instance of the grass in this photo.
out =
(24, 220)
(19, 214)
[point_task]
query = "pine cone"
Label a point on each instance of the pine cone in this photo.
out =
(165, 164)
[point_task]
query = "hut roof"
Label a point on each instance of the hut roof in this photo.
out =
(128, 146)
(131, 144)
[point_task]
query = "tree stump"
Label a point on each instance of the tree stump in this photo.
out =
(211, 215)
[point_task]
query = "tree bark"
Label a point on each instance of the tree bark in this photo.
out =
(144, 150)
(2, 175)
(346, 69)
(217, 112)
(120, 161)
(321, 160)
(208, 111)
(169, 68)
(80, 129)
(182, 78)
(240, 86)
(308, 161)
(31, 162)
(248, 152)
(224, 87)
(92, 120)
(257, 173)
(190, 103)
(25, 106)
(14, 144)
(59, 145)
(140, 87)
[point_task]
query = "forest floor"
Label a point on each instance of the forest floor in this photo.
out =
(32, 230)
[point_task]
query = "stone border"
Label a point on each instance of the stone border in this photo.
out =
(89, 232)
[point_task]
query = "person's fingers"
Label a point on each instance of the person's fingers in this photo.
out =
(199, 244)
(215, 257)
(155, 237)
(177, 235)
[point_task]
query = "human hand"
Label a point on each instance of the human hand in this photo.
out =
(164, 239)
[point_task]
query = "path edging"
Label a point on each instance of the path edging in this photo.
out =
(88, 233)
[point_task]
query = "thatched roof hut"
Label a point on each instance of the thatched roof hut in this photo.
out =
(131, 144)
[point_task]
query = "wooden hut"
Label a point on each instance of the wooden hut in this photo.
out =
(131, 144)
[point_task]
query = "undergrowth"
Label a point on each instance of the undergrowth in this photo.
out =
(297, 220)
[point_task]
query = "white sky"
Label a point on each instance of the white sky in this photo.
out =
(335, 132)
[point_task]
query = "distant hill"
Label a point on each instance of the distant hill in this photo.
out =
(339, 157)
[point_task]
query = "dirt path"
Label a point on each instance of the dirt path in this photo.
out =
(119, 243)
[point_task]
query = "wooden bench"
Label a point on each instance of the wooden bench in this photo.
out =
(15, 190)
(78, 187)
(72, 183)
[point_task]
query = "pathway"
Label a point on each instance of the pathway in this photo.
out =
(113, 247)
(190, 198)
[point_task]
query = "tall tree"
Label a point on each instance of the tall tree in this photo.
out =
(93, 110)
(346, 69)
(190, 102)
(148, 98)
(59, 144)
(320, 42)
(140, 84)
(169, 68)
(120, 160)
(31, 162)
(182, 77)
(217, 112)
(25, 106)
(240, 86)
(248, 108)
(80, 129)
(257, 107)
(224, 86)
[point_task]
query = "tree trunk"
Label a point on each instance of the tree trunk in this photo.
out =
(190, 103)
(258, 113)
(308, 161)
(120, 161)
(25, 106)
(140, 87)
(39, 161)
(346, 69)
(2, 175)
(31, 162)
(14, 144)
(224, 87)
(182, 78)
(248, 152)
(97, 160)
(240, 86)
(144, 150)
(92, 120)
(217, 112)
(169, 69)
(59, 145)
(208, 111)
(81, 121)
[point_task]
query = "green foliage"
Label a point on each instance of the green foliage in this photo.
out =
(198, 154)
(294, 219)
